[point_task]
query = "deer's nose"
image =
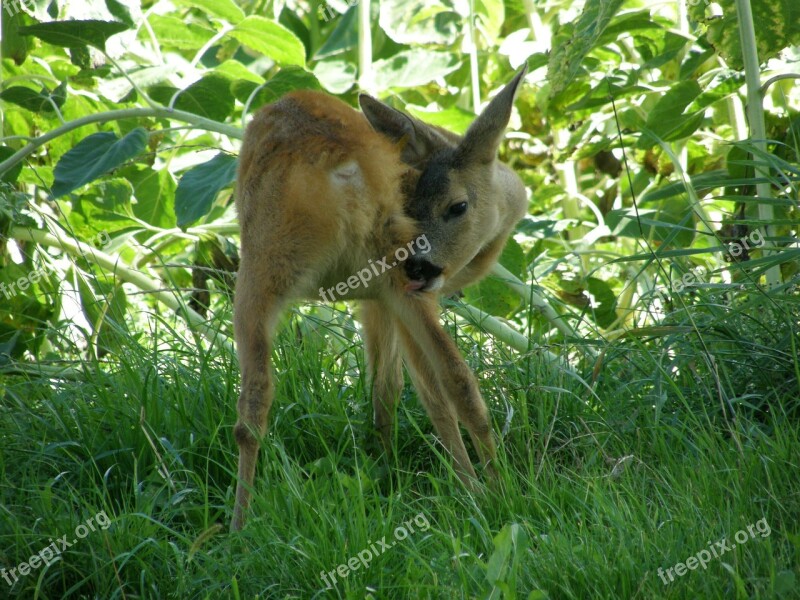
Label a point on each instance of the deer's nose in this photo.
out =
(421, 270)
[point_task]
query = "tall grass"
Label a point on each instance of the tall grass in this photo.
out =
(598, 488)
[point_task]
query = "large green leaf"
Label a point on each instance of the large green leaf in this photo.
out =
(337, 76)
(30, 99)
(413, 67)
(286, 80)
(490, 16)
(222, 9)
(120, 12)
(493, 296)
(199, 186)
(12, 44)
(75, 34)
(777, 26)
(270, 39)
(176, 33)
(103, 209)
(420, 21)
(209, 97)
(94, 156)
(604, 301)
(343, 38)
(666, 120)
(570, 50)
(155, 195)
(9, 176)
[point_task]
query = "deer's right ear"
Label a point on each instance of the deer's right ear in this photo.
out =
(418, 141)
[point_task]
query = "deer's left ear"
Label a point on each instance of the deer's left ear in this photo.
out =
(419, 141)
(483, 137)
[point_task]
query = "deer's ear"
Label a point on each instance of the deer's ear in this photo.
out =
(419, 141)
(483, 137)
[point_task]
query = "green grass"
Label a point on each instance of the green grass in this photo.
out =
(598, 489)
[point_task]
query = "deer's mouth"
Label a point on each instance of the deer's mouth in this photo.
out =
(425, 285)
(423, 275)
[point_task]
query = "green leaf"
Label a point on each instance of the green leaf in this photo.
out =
(286, 80)
(199, 186)
(454, 118)
(176, 33)
(12, 44)
(510, 546)
(270, 39)
(233, 70)
(569, 51)
(513, 258)
(222, 9)
(785, 582)
(94, 156)
(104, 305)
(666, 120)
(343, 38)
(337, 76)
(209, 97)
(155, 195)
(34, 101)
(412, 68)
(776, 22)
(490, 15)
(75, 34)
(493, 296)
(119, 11)
(420, 21)
(9, 176)
(104, 209)
(604, 305)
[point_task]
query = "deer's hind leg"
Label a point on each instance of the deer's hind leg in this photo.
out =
(274, 270)
(256, 312)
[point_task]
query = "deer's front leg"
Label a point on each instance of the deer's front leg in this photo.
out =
(440, 366)
(385, 367)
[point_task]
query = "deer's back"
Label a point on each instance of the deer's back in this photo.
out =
(312, 167)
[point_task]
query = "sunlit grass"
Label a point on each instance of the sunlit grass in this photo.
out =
(597, 489)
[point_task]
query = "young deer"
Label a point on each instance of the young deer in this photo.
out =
(321, 194)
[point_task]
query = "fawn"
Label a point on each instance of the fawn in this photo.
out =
(322, 192)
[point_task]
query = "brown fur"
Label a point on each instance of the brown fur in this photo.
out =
(320, 194)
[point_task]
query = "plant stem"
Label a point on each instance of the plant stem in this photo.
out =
(505, 334)
(366, 79)
(755, 116)
(472, 48)
(530, 296)
(113, 264)
(115, 115)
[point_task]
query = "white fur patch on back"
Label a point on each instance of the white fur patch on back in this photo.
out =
(347, 173)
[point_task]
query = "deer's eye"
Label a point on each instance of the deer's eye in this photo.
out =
(456, 210)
